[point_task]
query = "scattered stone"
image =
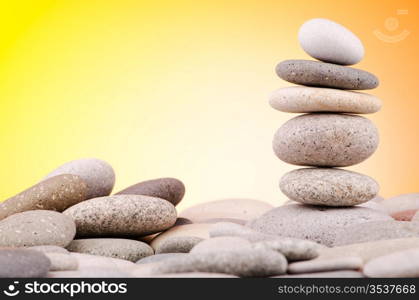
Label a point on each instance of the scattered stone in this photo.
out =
(402, 207)
(56, 193)
(122, 215)
(97, 174)
(159, 257)
(399, 264)
(326, 265)
(331, 274)
(329, 187)
(62, 262)
(315, 223)
(36, 228)
(178, 244)
(331, 42)
(23, 263)
(292, 249)
(226, 243)
(170, 189)
(117, 248)
(320, 74)
(49, 249)
(96, 272)
(301, 99)
(326, 140)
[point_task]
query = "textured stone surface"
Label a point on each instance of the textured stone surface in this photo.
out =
(49, 249)
(36, 228)
(320, 74)
(243, 263)
(62, 262)
(243, 209)
(97, 174)
(315, 223)
(374, 205)
(178, 244)
(399, 264)
(331, 274)
(326, 140)
(402, 207)
(330, 187)
(56, 193)
(224, 243)
(170, 189)
(117, 248)
(232, 229)
(159, 257)
(23, 263)
(301, 99)
(292, 249)
(122, 215)
(333, 264)
(373, 231)
(329, 41)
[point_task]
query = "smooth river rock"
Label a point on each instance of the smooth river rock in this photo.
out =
(329, 187)
(97, 174)
(293, 249)
(62, 262)
(331, 274)
(36, 228)
(320, 74)
(326, 140)
(224, 243)
(170, 189)
(315, 223)
(56, 193)
(178, 244)
(329, 41)
(117, 248)
(326, 265)
(122, 215)
(402, 207)
(159, 258)
(301, 99)
(23, 263)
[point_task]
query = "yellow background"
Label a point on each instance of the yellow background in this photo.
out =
(180, 88)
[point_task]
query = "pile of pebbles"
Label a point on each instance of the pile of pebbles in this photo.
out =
(335, 225)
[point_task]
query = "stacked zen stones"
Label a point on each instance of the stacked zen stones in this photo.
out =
(330, 133)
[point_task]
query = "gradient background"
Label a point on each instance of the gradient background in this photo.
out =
(180, 88)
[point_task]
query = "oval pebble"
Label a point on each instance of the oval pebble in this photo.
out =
(329, 187)
(329, 41)
(326, 140)
(122, 215)
(292, 249)
(62, 262)
(49, 249)
(98, 175)
(326, 265)
(321, 74)
(36, 228)
(224, 243)
(178, 244)
(20, 263)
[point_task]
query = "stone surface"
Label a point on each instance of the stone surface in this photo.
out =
(333, 264)
(49, 249)
(23, 263)
(218, 220)
(326, 140)
(56, 193)
(225, 229)
(320, 74)
(329, 41)
(97, 174)
(36, 228)
(301, 99)
(170, 189)
(243, 263)
(194, 275)
(379, 230)
(96, 272)
(402, 207)
(315, 223)
(122, 215)
(374, 205)
(159, 257)
(329, 187)
(62, 262)
(243, 209)
(399, 264)
(194, 230)
(331, 274)
(117, 248)
(292, 249)
(89, 261)
(224, 243)
(178, 244)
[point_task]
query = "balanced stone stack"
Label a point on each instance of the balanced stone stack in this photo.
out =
(330, 133)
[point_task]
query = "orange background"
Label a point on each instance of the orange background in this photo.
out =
(180, 88)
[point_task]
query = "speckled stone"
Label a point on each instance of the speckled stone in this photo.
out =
(329, 41)
(242, 209)
(36, 228)
(178, 244)
(333, 264)
(122, 215)
(56, 193)
(300, 99)
(117, 248)
(62, 262)
(49, 249)
(315, 223)
(23, 263)
(243, 263)
(97, 174)
(379, 230)
(331, 274)
(159, 258)
(170, 189)
(326, 140)
(402, 207)
(224, 243)
(292, 249)
(330, 187)
(399, 264)
(320, 74)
